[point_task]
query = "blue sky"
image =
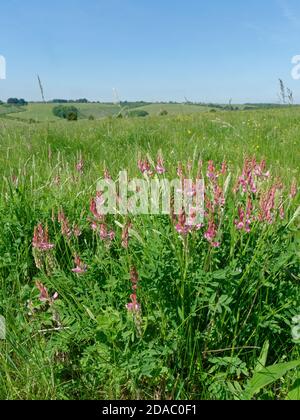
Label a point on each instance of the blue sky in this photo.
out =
(152, 50)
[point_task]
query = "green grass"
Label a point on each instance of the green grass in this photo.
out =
(43, 112)
(172, 109)
(211, 317)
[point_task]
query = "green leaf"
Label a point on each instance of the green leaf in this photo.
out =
(262, 360)
(267, 376)
(294, 394)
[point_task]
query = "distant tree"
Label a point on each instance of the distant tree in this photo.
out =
(13, 101)
(22, 102)
(60, 101)
(163, 113)
(16, 101)
(138, 113)
(70, 113)
(82, 101)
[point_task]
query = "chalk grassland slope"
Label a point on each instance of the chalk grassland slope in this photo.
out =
(43, 112)
(172, 109)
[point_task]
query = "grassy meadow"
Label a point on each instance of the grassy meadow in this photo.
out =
(138, 307)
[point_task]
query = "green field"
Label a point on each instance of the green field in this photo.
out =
(216, 310)
(43, 112)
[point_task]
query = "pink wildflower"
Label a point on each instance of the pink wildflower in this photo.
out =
(44, 294)
(77, 232)
(224, 168)
(252, 172)
(267, 204)
(134, 306)
(80, 267)
(144, 167)
(80, 166)
(211, 171)
(211, 234)
(105, 234)
(95, 204)
(41, 239)
(65, 227)
(294, 189)
(245, 221)
(219, 198)
(160, 168)
(182, 227)
(125, 235)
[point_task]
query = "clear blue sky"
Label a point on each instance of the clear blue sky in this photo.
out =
(152, 50)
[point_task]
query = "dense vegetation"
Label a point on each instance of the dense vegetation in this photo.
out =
(16, 101)
(143, 306)
(69, 113)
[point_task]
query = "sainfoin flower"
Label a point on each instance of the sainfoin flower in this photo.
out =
(65, 226)
(211, 234)
(211, 171)
(44, 294)
(125, 235)
(145, 167)
(245, 217)
(76, 230)
(133, 305)
(294, 189)
(252, 172)
(267, 206)
(80, 267)
(182, 227)
(41, 239)
(160, 166)
(96, 204)
(80, 166)
(105, 234)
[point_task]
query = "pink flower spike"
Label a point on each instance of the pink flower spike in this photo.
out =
(133, 306)
(125, 235)
(224, 168)
(80, 267)
(41, 239)
(211, 171)
(80, 166)
(216, 244)
(111, 235)
(144, 167)
(211, 233)
(294, 189)
(44, 295)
